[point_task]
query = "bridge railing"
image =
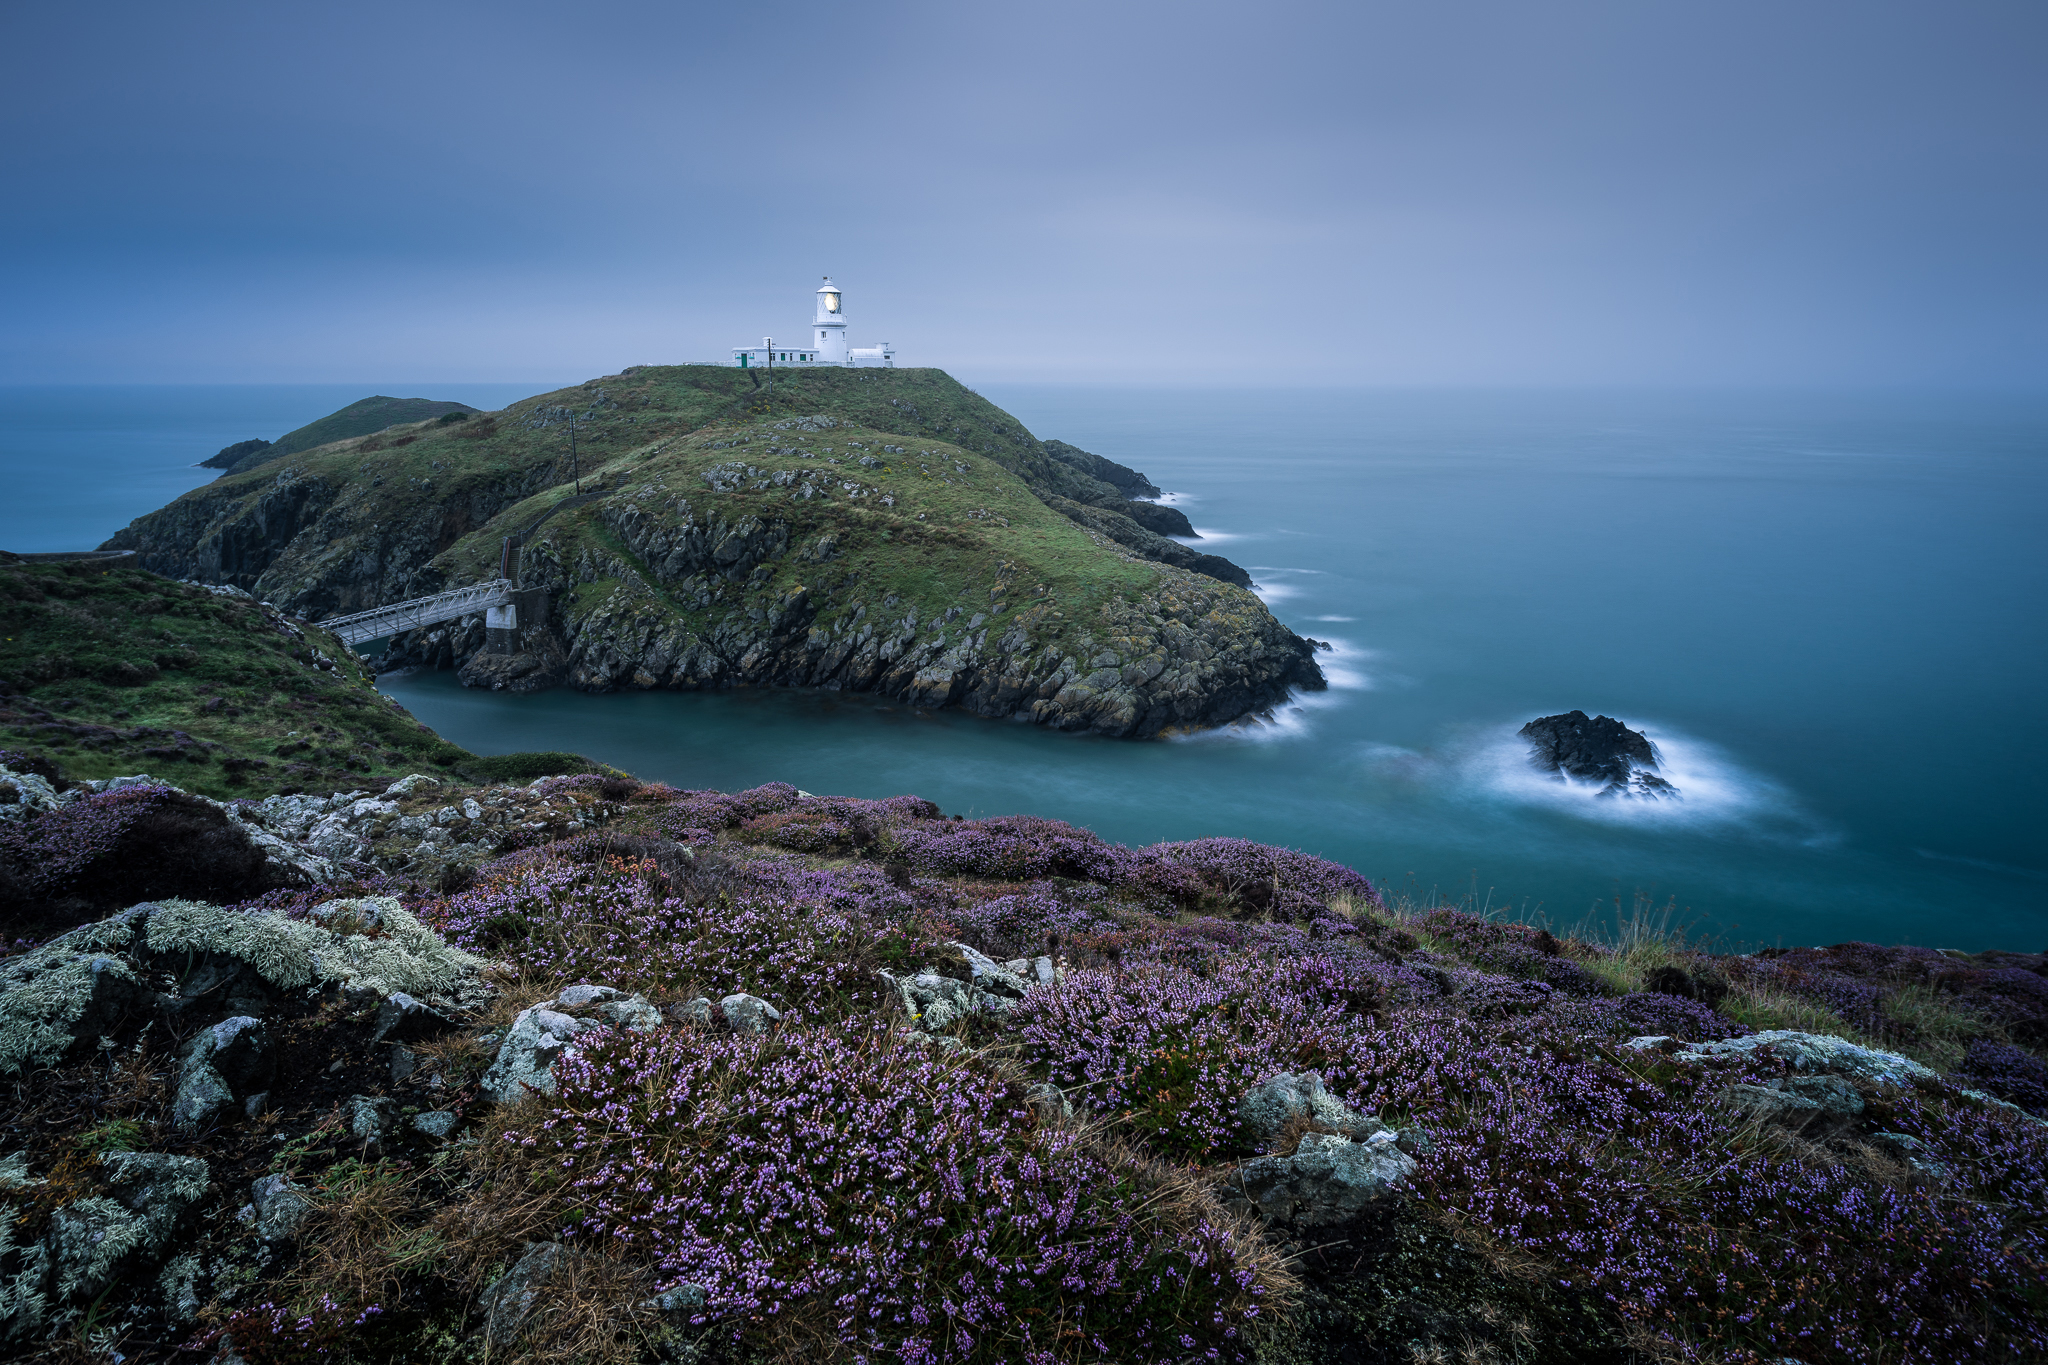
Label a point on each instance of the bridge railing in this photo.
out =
(420, 611)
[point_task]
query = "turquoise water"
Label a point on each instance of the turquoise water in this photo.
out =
(1826, 609)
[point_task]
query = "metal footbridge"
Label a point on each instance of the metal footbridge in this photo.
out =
(421, 611)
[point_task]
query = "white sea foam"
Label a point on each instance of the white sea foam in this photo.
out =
(1292, 719)
(1272, 582)
(1492, 765)
(1207, 535)
(1712, 788)
(1173, 499)
(1333, 618)
(1344, 666)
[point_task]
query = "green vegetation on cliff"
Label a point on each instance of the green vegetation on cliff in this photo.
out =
(360, 418)
(111, 670)
(108, 670)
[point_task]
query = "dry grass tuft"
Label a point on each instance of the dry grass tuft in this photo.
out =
(1504, 1258)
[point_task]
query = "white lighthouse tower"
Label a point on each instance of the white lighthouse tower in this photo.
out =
(828, 342)
(830, 325)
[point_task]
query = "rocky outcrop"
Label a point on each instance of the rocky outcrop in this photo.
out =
(94, 1242)
(1124, 479)
(63, 997)
(544, 1034)
(321, 543)
(1124, 529)
(1597, 749)
(1326, 1179)
(1194, 655)
(1270, 1107)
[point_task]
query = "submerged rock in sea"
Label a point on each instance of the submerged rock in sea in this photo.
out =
(1597, 749)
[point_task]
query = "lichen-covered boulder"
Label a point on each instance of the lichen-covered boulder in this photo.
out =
(541, 1035)
(93, 1242)
(1273, 1103)
(748, 1014)
(525, 1062)
(276, 1208)
(369, 1117)
(61, 998)
(157, 1187)
(1327, 1179)
(613, 1006)
(1814, 1053)
(377, 947)
(960, 982)
(1817, 1106)
(225, 1067)
(25, 794)
(436, 1123)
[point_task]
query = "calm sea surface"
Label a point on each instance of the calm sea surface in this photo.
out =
(1826, 610)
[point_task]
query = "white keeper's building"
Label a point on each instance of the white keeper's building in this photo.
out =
(826, 346)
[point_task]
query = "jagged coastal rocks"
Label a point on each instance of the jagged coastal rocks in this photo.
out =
(591, 1069)
(876, 531)
(1599, 750)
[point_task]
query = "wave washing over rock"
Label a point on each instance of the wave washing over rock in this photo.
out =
(591, 1069)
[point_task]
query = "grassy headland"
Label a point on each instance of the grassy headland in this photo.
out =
(733, 529)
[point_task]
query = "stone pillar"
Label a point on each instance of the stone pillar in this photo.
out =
(501, 629)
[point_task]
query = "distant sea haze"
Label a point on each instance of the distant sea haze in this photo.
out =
(1823, 609)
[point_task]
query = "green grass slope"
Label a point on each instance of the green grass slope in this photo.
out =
(109, 671)
(359, 418)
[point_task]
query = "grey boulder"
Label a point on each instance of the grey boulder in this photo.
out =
(748, 1014)
(509, 1303)
(1817, 1106)
(402, 1019)
(1272, 1104)
(538, 1038)
(224, 1066)
(436, 1123)
(1327, 1179)
(276, 1208)
(369, 1116)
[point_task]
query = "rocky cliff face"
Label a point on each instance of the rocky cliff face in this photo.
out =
(901, 536)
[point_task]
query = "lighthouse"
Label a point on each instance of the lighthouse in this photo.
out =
(827, 344)
(830, 325)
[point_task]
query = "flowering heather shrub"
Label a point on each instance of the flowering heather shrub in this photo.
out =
(718, 810)
(602, 922)
(1010, 848)
(1171, 1052)
(1854, 1001)
(2012, 1074)
(1306, 883)
(115, 848)
(1513, 949)
(916, 1205)
(269, 1335)
(1162, 1048)
(57, 847)
(1025, 925)
(804, 831)
(1652, 1013)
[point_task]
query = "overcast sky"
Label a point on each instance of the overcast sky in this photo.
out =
(1434, 192)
